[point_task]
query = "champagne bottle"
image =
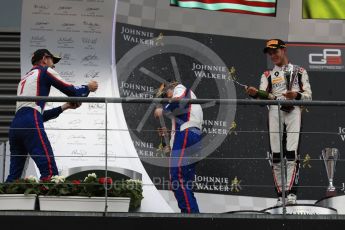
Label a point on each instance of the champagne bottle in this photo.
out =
(265, 95)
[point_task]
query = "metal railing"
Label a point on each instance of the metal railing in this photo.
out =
(167, 100)
(110, 100)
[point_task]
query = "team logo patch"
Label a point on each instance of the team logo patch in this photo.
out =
(276, 74)
(272, 43)
(277, 80)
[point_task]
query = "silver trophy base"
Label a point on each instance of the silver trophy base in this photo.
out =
(302, 209)
(336, 202)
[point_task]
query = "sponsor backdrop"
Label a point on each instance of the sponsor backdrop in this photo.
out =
(80, 35)
(81, 31)
(235, 139)
(237, 166)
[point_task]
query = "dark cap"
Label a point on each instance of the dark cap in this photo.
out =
(39, 54)
(274, 44)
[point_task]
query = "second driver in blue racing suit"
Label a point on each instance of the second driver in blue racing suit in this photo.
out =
(185, 142)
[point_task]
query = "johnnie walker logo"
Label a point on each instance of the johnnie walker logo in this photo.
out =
(217, 127)
(136, 90)
(137, 36)
(341, 133)
(209, 71)
(211, 183)
(145, 149)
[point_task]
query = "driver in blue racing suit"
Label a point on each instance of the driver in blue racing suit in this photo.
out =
(185, 142)
(27, 134)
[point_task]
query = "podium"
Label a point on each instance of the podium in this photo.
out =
(302, 209)
(79, 173)
(248, 212)
(336, 202)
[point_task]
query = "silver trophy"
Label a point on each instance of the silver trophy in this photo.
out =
(289, 75)
(330, 157)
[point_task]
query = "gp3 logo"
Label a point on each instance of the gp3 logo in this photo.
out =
(327, 57)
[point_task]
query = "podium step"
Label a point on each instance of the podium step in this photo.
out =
(302, 209)
(336, 202)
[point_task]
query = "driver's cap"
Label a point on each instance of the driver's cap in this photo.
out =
(274, 44)
(40, 53)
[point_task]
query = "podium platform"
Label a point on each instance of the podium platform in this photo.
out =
(82, 220)
(336, 202)
(302, 209)
(248, 212)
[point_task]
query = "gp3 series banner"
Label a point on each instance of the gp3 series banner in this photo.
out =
(318, 57)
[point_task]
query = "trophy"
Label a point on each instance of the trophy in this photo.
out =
(289, 75)
(330, 157)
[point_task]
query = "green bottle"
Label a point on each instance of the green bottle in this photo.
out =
(265, 95)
